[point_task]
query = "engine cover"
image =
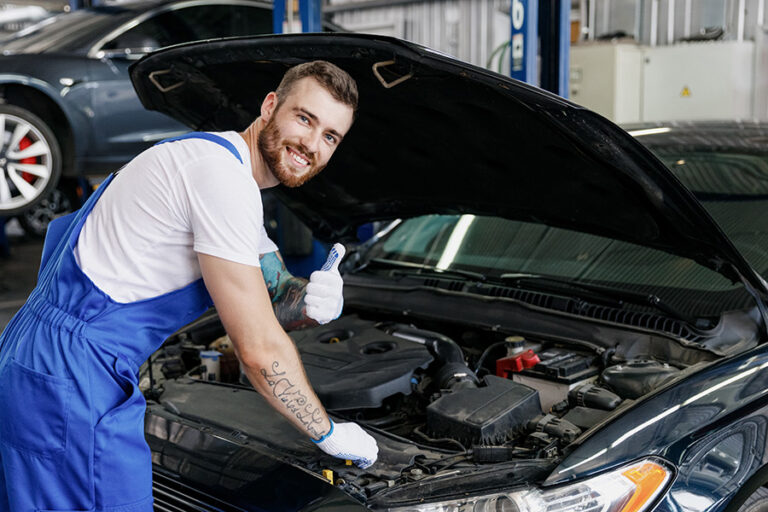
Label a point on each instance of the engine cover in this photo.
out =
(353, 365)
(487, 415)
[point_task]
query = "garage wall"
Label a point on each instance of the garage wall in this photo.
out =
(469, 30)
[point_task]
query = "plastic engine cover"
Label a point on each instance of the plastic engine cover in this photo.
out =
(353, 365)
(490, 414)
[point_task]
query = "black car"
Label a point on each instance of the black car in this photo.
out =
(67, 104)
(554, 322)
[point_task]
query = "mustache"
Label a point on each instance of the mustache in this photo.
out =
(301, 148)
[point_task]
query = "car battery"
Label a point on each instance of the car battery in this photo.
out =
(559, 371)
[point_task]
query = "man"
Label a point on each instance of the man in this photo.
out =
(179, 226)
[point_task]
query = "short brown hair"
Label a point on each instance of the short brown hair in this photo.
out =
(335, 80)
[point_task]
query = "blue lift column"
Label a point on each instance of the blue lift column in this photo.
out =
(310, 15)
(524, 41)
(541, 28)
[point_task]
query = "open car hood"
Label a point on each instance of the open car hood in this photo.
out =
(436, 135)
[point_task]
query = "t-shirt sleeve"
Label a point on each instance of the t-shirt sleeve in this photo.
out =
(224, 210)
(266, 243)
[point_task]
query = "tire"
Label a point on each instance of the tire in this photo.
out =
(757, 501)
(30, 160)
(60, 201)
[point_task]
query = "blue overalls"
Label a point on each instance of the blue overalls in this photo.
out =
(71, 413)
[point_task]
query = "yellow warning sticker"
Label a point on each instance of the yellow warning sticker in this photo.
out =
(686, 92)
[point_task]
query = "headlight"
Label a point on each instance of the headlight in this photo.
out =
(629, 489)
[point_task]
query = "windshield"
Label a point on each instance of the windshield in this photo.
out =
(495, 246)
(65, 31)
(733, 187)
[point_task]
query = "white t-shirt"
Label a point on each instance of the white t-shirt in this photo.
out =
(169, 203)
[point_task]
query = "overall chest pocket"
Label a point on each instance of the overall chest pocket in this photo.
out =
(35, 410)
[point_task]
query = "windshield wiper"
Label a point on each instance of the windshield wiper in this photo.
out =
(643, 299)
(421, 268)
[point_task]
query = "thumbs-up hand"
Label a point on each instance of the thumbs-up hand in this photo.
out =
(324, 297)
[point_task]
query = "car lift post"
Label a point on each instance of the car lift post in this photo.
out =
(555, 29)
(310, 16)
(547, 21)
(524, 40)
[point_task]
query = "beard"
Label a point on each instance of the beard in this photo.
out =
(274, 152)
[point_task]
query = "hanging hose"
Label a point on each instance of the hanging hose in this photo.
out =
(501, 48)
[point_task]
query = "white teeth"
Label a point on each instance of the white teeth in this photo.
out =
(298, 159)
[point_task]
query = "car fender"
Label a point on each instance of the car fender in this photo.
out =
(77, 118)
(685, 421)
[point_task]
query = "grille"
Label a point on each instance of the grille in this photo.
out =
(173, 496)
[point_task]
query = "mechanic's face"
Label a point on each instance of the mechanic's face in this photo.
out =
(303, 132)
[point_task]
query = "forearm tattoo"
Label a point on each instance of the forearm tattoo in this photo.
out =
(309, 415)
(287, 293)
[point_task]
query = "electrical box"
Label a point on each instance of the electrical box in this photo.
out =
(712, 80)
(630, 83)
(607, 78)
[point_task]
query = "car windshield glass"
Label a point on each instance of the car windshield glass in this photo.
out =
(58, 32)
(495, 246)
(733, 187)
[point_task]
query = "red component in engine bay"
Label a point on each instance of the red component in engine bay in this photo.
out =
(516, 363)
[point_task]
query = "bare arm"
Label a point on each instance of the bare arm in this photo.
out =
(286, 293)
(268, 355)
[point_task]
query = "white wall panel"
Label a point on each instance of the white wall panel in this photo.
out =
(467, 29)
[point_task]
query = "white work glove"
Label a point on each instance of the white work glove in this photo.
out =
(324, 298)
(349, 441)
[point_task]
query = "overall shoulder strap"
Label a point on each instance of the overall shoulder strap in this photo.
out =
(218, 139)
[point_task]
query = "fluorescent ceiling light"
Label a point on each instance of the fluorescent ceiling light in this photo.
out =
(649, 131)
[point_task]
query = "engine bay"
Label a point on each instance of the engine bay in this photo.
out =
(488, 398)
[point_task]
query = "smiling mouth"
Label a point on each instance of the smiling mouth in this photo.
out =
(298, 158)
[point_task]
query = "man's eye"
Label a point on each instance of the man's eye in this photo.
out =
(303, 119)
(330, 139)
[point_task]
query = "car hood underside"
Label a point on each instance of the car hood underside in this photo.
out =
(435, 135)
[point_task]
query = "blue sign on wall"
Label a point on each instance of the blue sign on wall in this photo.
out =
(525, 29)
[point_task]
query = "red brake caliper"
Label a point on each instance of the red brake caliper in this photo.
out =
(23, 144)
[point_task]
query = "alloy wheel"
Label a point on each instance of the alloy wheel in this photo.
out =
(26, 163)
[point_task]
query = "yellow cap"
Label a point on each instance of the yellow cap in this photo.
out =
(328, 474)
(348, 462)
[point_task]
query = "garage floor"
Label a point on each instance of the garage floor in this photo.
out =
(18, 275)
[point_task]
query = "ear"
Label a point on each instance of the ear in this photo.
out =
(268, 106)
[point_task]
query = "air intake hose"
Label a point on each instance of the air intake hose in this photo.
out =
(452, 372)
